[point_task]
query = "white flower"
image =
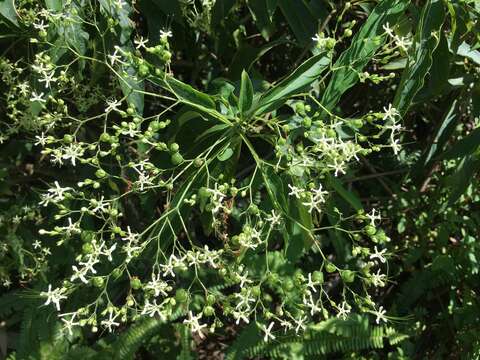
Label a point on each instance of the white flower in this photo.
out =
(240, 315)
(165, 34)
(112, 104)
(110, 322)
(48, 78)
(37, 244)
(168, 268)
(378, 255)
(115, 57)
(54, 296)
(396, 147)
(339, 167)
(311, 284)
(388, 30)
(157, 285)
(390, 113)
(295, 191)
(343, 310)
(379, 279)
(69, 324)
(245, 298)
(140, 42)
(311, 304)
(40, 26)
(268, 332)
(317, 38)
(286, 325)
(380, 314)
(41, 140)
(37, 97)
(274, 219)
(300, 324)
(72, 152)
(373, 216)
(151, 309)
(316, 199)
(194, 325)
(131, 237)
(243, 279)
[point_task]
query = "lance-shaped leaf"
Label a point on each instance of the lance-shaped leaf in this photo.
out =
(303, 76)
(298, 221)
(8, 12)
(245, 100)
(426, 40)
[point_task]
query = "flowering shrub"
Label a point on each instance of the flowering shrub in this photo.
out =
(196, 173)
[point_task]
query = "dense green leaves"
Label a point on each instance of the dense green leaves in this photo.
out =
(364, 45)
(426, 40)
(304, 75)
(175, 185)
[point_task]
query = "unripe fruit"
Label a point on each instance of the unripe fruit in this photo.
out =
(105, 137)
(135, 283)
(87, 248)
(370, 230)
(100, 173)
(143, 70)
(176, 159)
(98, 281)
(68, 138)
(181, 295)
(330, 267)
(208, 311)
(174, 147)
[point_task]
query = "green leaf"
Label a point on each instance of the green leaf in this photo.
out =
(442, 135)
(263, 20)
(426, 40)
(7, 11)
(271, 7)
(466, 50)
(298, 221)
(225, 154)
(439, 72)
(349, 196)
(462, 178)
(245, 100)
(55, 5)
(466, 146)
(132, 88)
(300, 19)
(186, 93)
(301, 78)
(247, 55)
(364, 46)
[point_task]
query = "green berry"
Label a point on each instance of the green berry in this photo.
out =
(174, 147)
(143, 70)
(100, 173)
(370, 230)
(105, 137)
(98, 281)
(330, 268)
(87, 248)
(176, 159)
(348, 276)
(181, 295)
(208, 311)
(135, 283)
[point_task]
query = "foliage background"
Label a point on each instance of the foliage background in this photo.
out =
(427, 193)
